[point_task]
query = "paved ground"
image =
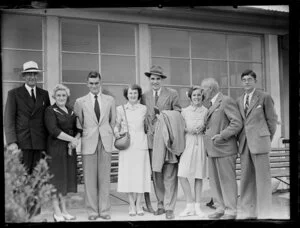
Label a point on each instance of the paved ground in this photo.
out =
(119, 208)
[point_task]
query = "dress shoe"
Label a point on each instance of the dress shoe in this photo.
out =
(216, 215)
(149, 209)
(211, 204)
(169, 214)
(159, 211)
(57, 218)
(140, 212)
(106, 217)
(93, 217)
(228, 217)
(68, 216)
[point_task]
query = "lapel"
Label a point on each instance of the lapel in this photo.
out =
(27, 98)
(104, 105)
(215, 105)
(253, 101)
(38, 100)
(90, 107)
(241, 106)
(162, 97)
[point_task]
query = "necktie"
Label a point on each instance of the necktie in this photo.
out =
(97, 108)
(247, 103)
(32, 95)
(156, 97)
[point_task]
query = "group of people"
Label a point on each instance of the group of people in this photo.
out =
(167, 142)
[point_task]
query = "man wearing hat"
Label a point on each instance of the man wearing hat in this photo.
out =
(24, 117)
(157, 99)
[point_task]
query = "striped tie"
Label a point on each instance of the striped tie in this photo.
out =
(247, 103)
(156, 97)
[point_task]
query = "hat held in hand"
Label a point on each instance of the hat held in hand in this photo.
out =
(156, 70)
(30, 66)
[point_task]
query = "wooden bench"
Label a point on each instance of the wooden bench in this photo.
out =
(279, 163)
(113, 171)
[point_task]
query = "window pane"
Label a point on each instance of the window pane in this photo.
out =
(169, 43)
(12, 63)
(176, 70)
(20, 31)
(79, 36)
(236, 92)
(224, 91)
(236, 69)
(76, 91)
(205, 45)
(183, 98)
(116, 92)
(205, 69)
(117, 38)
(118, 69)
(244, 48)
(76, 67)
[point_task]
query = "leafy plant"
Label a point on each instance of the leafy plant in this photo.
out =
(24, 193)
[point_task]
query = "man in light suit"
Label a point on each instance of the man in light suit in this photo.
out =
(160, 98)
(259, 119)
(96, 117)
(24, 119)
(222, 123)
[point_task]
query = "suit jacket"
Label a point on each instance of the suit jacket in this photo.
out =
(259, 123)
(167, 100)
(223, 118)
(24, 119)
(91, 128)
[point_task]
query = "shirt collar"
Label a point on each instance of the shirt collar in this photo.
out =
(250, 95)
(131, 107)
(158, 91)
(214, 98)
(93, 95)
(29, 89)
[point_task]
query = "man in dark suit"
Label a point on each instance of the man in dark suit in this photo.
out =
(259, 126)
(222, 123)
(160, 98)
(24, 118)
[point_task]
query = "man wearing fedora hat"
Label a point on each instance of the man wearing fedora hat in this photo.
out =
(157, 99)
(24, 120)
(24, 117)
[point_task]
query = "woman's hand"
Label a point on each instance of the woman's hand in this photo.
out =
(119, 134)
(74, 142)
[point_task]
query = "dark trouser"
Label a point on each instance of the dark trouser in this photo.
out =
(30, 158)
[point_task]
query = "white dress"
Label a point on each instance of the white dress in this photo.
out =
(193, 161)
(134, 172)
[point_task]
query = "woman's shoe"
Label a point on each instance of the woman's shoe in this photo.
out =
(68, 216)
(198, 211)
(188, 211)
(140, 212)
(58, 218)
(132, 211)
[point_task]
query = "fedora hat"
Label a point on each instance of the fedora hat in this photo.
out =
(30, 66)
(156, 70)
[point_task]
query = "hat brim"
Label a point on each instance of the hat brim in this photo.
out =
(148, 74)
(31, 71)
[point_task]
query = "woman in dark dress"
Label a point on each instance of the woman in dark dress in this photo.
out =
(60, 121)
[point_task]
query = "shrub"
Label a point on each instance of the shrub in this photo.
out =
(24, 192)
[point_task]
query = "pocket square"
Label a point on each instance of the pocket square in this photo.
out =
(259, 106)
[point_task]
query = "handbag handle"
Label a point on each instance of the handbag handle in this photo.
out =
(125, 118)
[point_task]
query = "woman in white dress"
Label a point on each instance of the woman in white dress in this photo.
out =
(134, 172)
(193, 161)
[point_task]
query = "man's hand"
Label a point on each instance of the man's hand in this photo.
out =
(13, 147)
(217, 138)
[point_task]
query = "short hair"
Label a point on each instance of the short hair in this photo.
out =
(60, 87)
(93, 74)
(192, 89)
(248, 72)
(133, 87)
(212, 83)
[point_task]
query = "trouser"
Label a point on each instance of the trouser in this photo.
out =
(222, 179)
(96, 172)
(256, 187)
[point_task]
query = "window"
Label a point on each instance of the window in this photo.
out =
(109, 48)
(190, 56)
(20, 43)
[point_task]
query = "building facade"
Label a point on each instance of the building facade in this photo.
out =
(122, 43)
